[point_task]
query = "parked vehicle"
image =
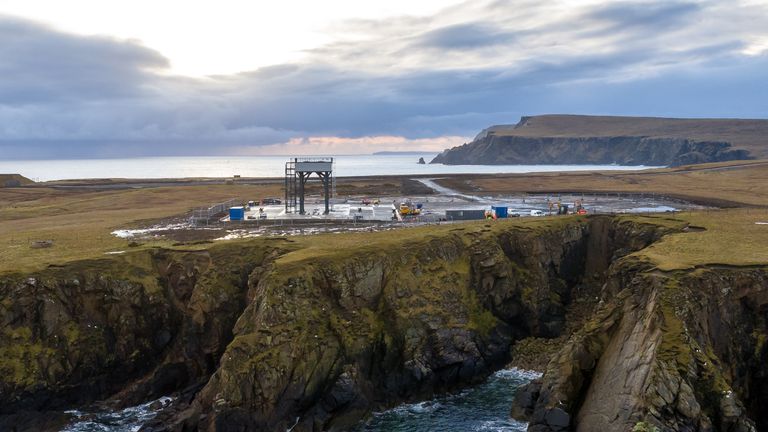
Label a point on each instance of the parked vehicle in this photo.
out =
(537, 213)
(268, 201)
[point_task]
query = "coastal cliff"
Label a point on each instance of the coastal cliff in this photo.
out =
(681, 351)
(621, 150)
(569, 139)
(329, 340)
(268, 335)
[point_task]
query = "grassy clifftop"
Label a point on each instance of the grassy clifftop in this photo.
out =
(748, 134)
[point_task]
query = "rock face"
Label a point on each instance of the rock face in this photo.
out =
(325, 342)
(683, 351)
(259, 336)
(622, 150)
(133, 329)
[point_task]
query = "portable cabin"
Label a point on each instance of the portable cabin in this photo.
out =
(500, 211)
(237, 213)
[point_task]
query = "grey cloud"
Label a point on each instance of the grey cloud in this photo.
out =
(627, 15)
(66, 96)
(465, 36)
(48, 66)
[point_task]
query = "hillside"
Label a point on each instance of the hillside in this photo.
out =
(572, 139)
(13, 180)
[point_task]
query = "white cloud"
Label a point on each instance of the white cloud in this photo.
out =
(204, 38)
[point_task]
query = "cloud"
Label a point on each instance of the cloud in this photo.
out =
(646, 16)
(345, 146)
(465, 36)
(399, 83)
(40, 65)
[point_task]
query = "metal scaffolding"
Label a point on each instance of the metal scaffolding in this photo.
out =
(298, 171)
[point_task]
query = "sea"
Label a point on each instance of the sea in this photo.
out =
(261, 167)
(483, 408)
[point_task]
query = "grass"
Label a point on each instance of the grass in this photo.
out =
(80, 223)
(334, 246)
(730, 184)
(730, 238)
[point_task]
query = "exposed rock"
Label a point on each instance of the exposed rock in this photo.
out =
(251, 342)
(657, 353)
(329, 340)
(621, 150)
(535, 353)
(568, 139)
(134, 327)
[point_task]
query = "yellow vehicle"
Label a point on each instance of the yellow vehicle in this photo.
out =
(408, 209)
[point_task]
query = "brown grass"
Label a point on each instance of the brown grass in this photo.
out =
(80, 222)
(730, 238)
(721, 184)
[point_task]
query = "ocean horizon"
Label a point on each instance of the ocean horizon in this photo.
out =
(263, 167)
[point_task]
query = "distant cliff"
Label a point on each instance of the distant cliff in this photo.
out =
(512, 150)
(566, 139)
(13, 180)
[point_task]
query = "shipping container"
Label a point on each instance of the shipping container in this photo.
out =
(465, 214)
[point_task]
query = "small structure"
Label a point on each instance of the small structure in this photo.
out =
(297, 172)
(237, 213)
(465, 214)
(500, 211)
(41, 244)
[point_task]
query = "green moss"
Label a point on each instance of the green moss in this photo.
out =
(71, 333)
(20, 357)
(480, 319)
(760, 340)
(674, 347)
(644, 427)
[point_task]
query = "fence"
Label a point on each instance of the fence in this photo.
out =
(203, 216)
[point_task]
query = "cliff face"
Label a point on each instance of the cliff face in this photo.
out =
(489, 149)
(261, 335)
(327, 341)
(142, 325)
(683, 351)
(318, 341)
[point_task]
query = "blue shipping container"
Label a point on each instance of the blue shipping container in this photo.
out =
(501, 212)
(236, 213)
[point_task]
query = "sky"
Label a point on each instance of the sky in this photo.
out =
(100, 78)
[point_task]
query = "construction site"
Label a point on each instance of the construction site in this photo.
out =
(311, 204)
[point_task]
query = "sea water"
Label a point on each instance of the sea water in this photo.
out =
(260, 167)
(481, 408)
